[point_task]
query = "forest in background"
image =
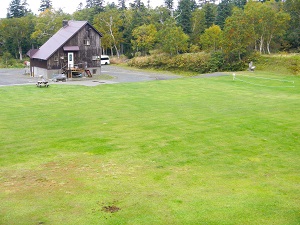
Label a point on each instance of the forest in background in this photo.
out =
(219, 36)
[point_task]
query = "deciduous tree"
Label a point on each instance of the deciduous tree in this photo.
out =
(144, 38)
(238, 34)
(47, 24)
(267, 20)
(16, 34)
(211, 39)
(198, 25)
(172, 39)
(109, 23)
(278, 23)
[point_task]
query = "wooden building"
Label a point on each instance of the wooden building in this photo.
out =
(74, 49)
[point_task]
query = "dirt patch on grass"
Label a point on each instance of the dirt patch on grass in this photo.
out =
(110, 209)
(48, 178)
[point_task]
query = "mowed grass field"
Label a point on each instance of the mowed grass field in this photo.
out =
(186, 151)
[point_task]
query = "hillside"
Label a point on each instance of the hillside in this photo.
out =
(284, 64)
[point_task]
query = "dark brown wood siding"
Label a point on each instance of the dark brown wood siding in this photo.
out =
(89, 43)
(57, 60)
(38, 63)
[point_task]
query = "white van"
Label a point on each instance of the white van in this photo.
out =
(105, 60)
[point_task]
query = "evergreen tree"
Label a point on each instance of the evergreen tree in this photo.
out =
(84, 14)
(25, 8)
(137, 4)
(185, 9)
(17, 9)
(121, 4)
(293, 35)
(139, 13)
(169, 4)
(240, 3)
(223, 11)
(97, 5)
(111, 6)
(204, 2)
(45, 4)
(159, 15)
(210, 14)
(89, 4)
(80, 6)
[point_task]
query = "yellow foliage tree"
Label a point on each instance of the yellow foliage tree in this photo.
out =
(144, 38)
(211, 39)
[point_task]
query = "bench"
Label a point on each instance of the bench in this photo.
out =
(251, 67)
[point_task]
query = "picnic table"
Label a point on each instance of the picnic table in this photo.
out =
(42, 82)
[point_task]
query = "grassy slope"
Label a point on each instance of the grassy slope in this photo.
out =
(190, 151)
(280, 64)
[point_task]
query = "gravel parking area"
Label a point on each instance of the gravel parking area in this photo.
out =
(9, 77)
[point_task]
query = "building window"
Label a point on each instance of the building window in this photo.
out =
(88, 31)
(86, 42)
(55, 59)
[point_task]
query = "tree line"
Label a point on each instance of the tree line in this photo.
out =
(236, 28)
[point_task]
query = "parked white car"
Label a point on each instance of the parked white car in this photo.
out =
(105, 60)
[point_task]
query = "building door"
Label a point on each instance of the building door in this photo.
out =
(70, 60)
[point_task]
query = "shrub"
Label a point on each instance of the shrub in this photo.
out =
(200, 62)
(116, 60)
(196, 62)
(217, 62)
(8, 61)
(294, 66)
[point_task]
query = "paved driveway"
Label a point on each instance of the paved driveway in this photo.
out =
(119, 74)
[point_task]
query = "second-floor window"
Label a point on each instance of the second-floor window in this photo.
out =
(86, 42)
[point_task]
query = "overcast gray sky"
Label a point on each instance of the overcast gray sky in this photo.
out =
(68, 6)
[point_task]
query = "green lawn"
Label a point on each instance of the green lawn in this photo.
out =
(186, 151)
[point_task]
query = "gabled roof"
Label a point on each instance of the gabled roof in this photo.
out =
(59, 39)
(31, 52)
